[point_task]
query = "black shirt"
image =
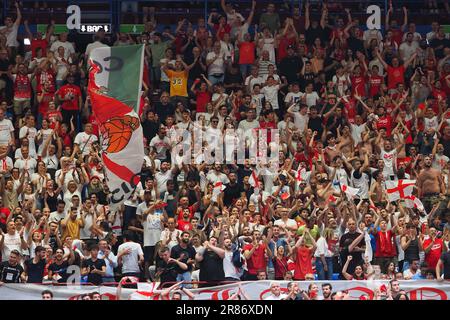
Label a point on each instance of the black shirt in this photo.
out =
(315, 124)
(150, 128)
(211, 267)
(164, 110)
(35, 271)
(61, 270)
(290, 67)
(94, 278)
(231, 193)
(344, 243)
(187, 253)
(9, 273)
(197, 69)
(312, 33)
(168, 271)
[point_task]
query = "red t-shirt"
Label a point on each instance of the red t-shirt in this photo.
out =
(6, 212)
(280, 266)
(395, 76)
(385, 122)
(303, 264)
(350, 110)
(70, 89)
(433, 256)
(375, 85)
(39, 43)
(203, 98)
(46, 76)
(358, 85)
(247, 53)
(257, 261)
(43, 105)
(53, 117)
(385, 244)
(284, 43)
(397, 36)
(184, 225)
(225, 29)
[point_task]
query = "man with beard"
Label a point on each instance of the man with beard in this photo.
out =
(34, 267)
(233, 190)
(11, 271)
(327, 290)
(430, 185)
(185, 253)
(295, 293)
(57, 271)
(211, 263)
(232, 273)
(344, 243)
(255, 253)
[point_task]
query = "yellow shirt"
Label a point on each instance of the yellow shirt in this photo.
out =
(178, 83)
(72, 229)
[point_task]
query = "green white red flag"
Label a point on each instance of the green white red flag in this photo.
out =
(115, 81)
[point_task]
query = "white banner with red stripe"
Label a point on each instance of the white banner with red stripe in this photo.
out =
(255, 290)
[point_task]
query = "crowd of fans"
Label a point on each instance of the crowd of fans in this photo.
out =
(352, 107)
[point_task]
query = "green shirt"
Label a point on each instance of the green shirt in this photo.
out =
(315, 232)
(158, 51)
(271, 21)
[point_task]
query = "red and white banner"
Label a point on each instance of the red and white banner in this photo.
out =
(399, 189)
(255, 290)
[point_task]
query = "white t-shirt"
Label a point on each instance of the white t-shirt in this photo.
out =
(280, 297)
(11, 35)
(271, 95)
(292, 97)
(301, 121)
(161, 180)
(388, 159)
(161, 146)
(94, 45)
(251, 80)
(311, 98)
(130, 262)
(85, 141)
(6, 127)
(29, 164)
(218, 66)
(152, 230)
(30, 134)
(357, 130)
(68, 48)
(12, 242)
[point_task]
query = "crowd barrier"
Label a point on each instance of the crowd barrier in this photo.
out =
(255, 290)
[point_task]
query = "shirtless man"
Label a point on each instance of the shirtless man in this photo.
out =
(376, 189)
(346, 142)
(431, 187)
(332, 150)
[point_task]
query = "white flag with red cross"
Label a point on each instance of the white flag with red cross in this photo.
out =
(399, 189)
(349, 191)
(414, 202)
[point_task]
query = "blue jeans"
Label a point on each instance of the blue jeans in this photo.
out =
(321, 271)
(215, 80)
(186, 276)
(245, 70)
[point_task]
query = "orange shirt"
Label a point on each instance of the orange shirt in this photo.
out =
(178, 83)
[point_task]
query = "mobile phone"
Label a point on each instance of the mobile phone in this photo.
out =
(26, 42)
